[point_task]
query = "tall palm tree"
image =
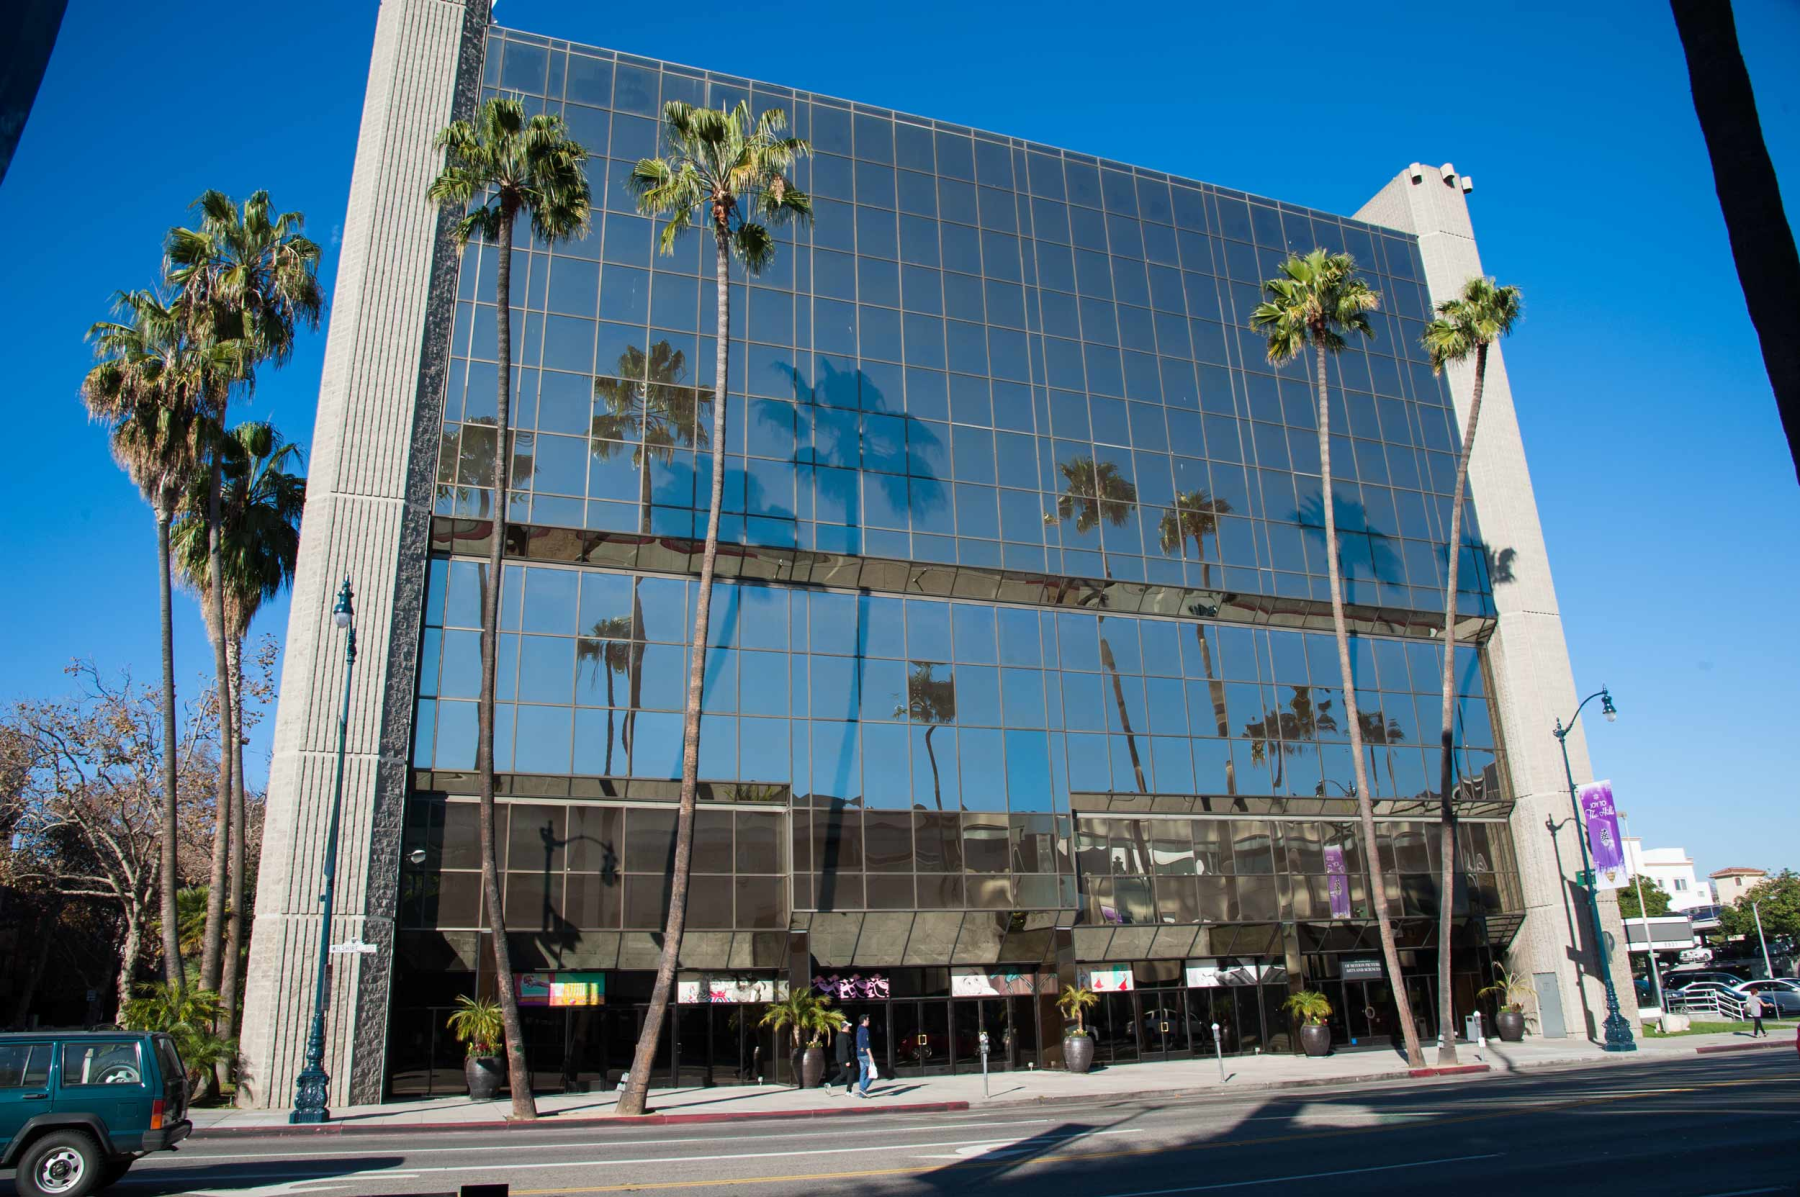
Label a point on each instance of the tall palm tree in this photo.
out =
(1762, 241)
(152, 387)
(1194, 517)
(1466, 325)
(498, 167)
(1314, 301)
(648, 409)
(249, 276)
(1094, 491)
(725, 172)
(259, 547)
(1280, 732)
(930, 700)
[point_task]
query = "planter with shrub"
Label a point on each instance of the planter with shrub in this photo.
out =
(1311, 1009)
(477, 1025)
(809, 1019)
(1078, 1044)
(1511, 990)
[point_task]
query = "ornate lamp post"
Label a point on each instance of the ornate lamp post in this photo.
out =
(1618, 1031)
(311, 1087)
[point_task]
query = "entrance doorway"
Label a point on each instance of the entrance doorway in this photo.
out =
(921, 1037)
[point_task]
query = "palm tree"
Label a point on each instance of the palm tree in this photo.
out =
(1468, 324)
(1280, 733)
(498, 167)
(725, 172)
(152, 387)
(1095, 491)
(930, 700)
(648, 408)
(250, 277)
(609, 647)
(1194, 517)
(1314, 301)
(1762, 242)
(259, 547)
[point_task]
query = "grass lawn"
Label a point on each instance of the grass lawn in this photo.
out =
(1773, 1026)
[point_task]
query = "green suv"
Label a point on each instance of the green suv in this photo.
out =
(77, 1108)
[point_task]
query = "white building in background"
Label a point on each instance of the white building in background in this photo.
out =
(1671, 868)
(1737, 881)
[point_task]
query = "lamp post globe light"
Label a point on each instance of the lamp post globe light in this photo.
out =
(1618, 1031)
(312, 1085)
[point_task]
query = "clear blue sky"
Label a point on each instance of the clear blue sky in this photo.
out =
(1667, 495)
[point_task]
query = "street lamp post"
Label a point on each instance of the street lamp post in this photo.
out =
(1618, 1031)
(1757, 915)
(312, 1086)
(1644, 920)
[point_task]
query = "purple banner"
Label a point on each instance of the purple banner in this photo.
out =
(1338, 882)
(1602, 823)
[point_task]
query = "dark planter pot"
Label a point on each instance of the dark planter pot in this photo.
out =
(1078, 1052)
(1315, 1039)
(1511, 1025)
(811, 1068)
(484, 1074)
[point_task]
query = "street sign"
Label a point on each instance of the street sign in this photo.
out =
(356, 946)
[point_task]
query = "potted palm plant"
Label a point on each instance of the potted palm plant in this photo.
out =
(477, 1025)
(1511, 989)
(1311, 1008)
(1078, 1044)
(808, 1018)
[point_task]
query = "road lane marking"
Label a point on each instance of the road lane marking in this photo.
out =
(1276, 1180)
(515, 1144)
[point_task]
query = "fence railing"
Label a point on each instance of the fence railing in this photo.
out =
(1717, 1005)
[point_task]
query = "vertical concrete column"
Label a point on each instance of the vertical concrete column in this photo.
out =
(367, 517)
(1527, 657)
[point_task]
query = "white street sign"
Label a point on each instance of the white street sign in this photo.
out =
(344, 949)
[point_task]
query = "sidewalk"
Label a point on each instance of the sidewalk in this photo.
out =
(1135, 1081)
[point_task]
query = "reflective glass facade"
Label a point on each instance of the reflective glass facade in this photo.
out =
(1019, 636)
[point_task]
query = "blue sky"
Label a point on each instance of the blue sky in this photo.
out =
(1667, 495)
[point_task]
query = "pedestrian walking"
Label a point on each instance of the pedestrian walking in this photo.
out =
(865, 1056)
(1755, 1009)
(846, 1060)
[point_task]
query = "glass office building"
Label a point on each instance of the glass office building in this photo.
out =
(1021, 673)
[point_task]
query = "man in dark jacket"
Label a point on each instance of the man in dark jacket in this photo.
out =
(846, 1059)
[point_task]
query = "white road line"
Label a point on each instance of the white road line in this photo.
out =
(692, 1159)
(1750, 1192)
(1277, 1180)
(526, 1144)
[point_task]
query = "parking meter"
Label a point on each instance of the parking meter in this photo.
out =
(1219, 1052)
(984, 1063)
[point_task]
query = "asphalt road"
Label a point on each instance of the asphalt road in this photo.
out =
(1707, 1127)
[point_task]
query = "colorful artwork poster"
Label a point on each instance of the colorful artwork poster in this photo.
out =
(1215, 973)
(560, 988)
(852, 987)
(975, 982)
(1337, 881)
(1107, 978)
(722, 989)
(1601, 819)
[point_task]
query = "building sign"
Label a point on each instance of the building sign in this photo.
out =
(560, 989)
(1360, 968)
(1605, 845)
(1338, 881)
(1107, 978)
(726, 988)
(857, 987)
(976, 982)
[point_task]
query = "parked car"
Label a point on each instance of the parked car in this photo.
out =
(78, 1108)
(1780, 994)
(1682, 978)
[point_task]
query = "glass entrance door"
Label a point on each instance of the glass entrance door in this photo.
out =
(921, 1037)
(1163, 1019)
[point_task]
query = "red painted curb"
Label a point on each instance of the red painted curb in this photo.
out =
(1450, 1070)
(554, 1123)
(1713, 1048)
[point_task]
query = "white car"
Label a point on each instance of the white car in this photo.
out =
(1781, 997)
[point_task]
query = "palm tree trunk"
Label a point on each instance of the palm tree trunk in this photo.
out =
(235, 920)
(518, 1071)
(212, 939)
(937, 790)
(1118, 689)
(1446, 809)
(170, 877)
(637, 1087)
(1762, 243)
(1364, 805)
(1215, 685)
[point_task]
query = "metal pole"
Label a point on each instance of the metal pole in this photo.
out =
(1644, 918)
(984, 1064)
(1757, 915)
(312, 1086)
(1618, 1031)
(1219, 1052)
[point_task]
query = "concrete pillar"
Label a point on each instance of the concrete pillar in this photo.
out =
(1527, 657)
(367, 516)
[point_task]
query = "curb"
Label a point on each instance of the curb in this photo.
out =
(1715, 1048)
(1450, 1070)
(282, 1131)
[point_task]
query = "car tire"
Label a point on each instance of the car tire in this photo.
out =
(61, 1164)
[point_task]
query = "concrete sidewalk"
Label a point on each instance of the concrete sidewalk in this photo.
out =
(922, 1095)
